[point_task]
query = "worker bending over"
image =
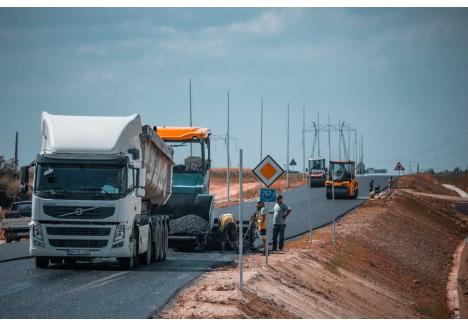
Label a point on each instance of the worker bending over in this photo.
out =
(228, 228)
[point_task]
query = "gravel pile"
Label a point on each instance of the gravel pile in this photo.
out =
(188, 224)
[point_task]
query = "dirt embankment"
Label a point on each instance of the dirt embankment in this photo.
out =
(250, 185)
(392, 259)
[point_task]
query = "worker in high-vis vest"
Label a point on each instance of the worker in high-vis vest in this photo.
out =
(261, 214)
(228, 228)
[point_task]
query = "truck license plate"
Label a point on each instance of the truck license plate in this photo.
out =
(78, 252)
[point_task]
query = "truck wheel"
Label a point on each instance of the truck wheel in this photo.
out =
(149, 250)
(42, 262)
(165, 239)
(126, 263)
(328, 195)
(157, 241)
(7, 237)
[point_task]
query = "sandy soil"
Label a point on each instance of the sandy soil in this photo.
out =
(462, 282)
(392, 259)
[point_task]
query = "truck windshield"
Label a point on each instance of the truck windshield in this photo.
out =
(318, 165)
(80, 181)
(341, 171)
(188, 156)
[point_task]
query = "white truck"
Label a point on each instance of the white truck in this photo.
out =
(97, 181)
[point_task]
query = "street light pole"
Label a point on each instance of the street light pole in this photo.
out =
(228, 176)
(303, 143)
(287, 153)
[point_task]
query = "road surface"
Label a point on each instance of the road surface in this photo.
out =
(100, 290)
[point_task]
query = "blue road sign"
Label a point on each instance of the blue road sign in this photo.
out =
(267, 195)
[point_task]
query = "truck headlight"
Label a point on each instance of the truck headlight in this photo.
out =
(119, 233)
(37, 231)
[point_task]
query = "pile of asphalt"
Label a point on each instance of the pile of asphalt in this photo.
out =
(188, 224)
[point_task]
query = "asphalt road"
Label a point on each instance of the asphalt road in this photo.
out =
(323, 210)
(100, 290)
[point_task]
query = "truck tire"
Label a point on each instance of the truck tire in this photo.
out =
(165, 239)
(42, 262)
(149, 250)
(7, 237)
(127, 263)
(157, 241)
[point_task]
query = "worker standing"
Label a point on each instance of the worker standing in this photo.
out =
(280, 213)
(261, 219)
(371, 186)
(228, 228)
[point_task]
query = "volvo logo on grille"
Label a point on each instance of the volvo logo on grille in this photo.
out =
(79, 211)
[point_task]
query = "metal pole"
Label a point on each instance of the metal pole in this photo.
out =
(241, 224)
(287, 153)
(261, 132)
(228, 173)
(190, 110)
(16, 152)
(329, 144)
(266, 244)
(349, 141)
(333, 198)
(339, 139)
(310, 206)
(303, 144)
(318, 132)
(417, 177)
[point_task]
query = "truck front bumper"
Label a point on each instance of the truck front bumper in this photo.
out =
(78, 246)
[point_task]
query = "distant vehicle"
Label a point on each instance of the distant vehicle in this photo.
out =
(317, 172)
(342, 179)
(16, 222)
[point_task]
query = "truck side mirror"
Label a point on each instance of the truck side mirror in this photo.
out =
(24, 175)
(140, 192)
(23, 189)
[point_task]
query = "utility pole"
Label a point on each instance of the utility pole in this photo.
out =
(362, 150)
(349, 141)
(318, 133)
(16, 153)
(329, 142)
(190, 110)
(339, 139)
(303, 143)
(228, 172)
(287, 153)
(261, 131)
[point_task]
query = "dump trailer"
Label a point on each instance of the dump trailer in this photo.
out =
(191, 205)
(317, 172)
(342, 179)
(97, 183)
(16, 222)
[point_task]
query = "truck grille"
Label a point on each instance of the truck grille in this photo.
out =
(72, 243)
(79, 212)
(78, 231)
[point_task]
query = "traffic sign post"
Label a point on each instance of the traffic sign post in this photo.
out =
(267, 171)
(241, 225)
(399, 167)
(267, 195)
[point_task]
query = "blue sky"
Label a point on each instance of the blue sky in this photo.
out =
(400, 76)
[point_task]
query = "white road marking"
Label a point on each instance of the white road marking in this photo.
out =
(459, 191)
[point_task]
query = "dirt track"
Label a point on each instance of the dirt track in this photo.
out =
(392, 260)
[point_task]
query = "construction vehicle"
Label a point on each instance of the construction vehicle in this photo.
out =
(317, 172)
(342, 182)
(191, 205)
(16, 222)
(97, 185)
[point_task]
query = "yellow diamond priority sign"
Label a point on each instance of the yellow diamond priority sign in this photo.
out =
(268, 171)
